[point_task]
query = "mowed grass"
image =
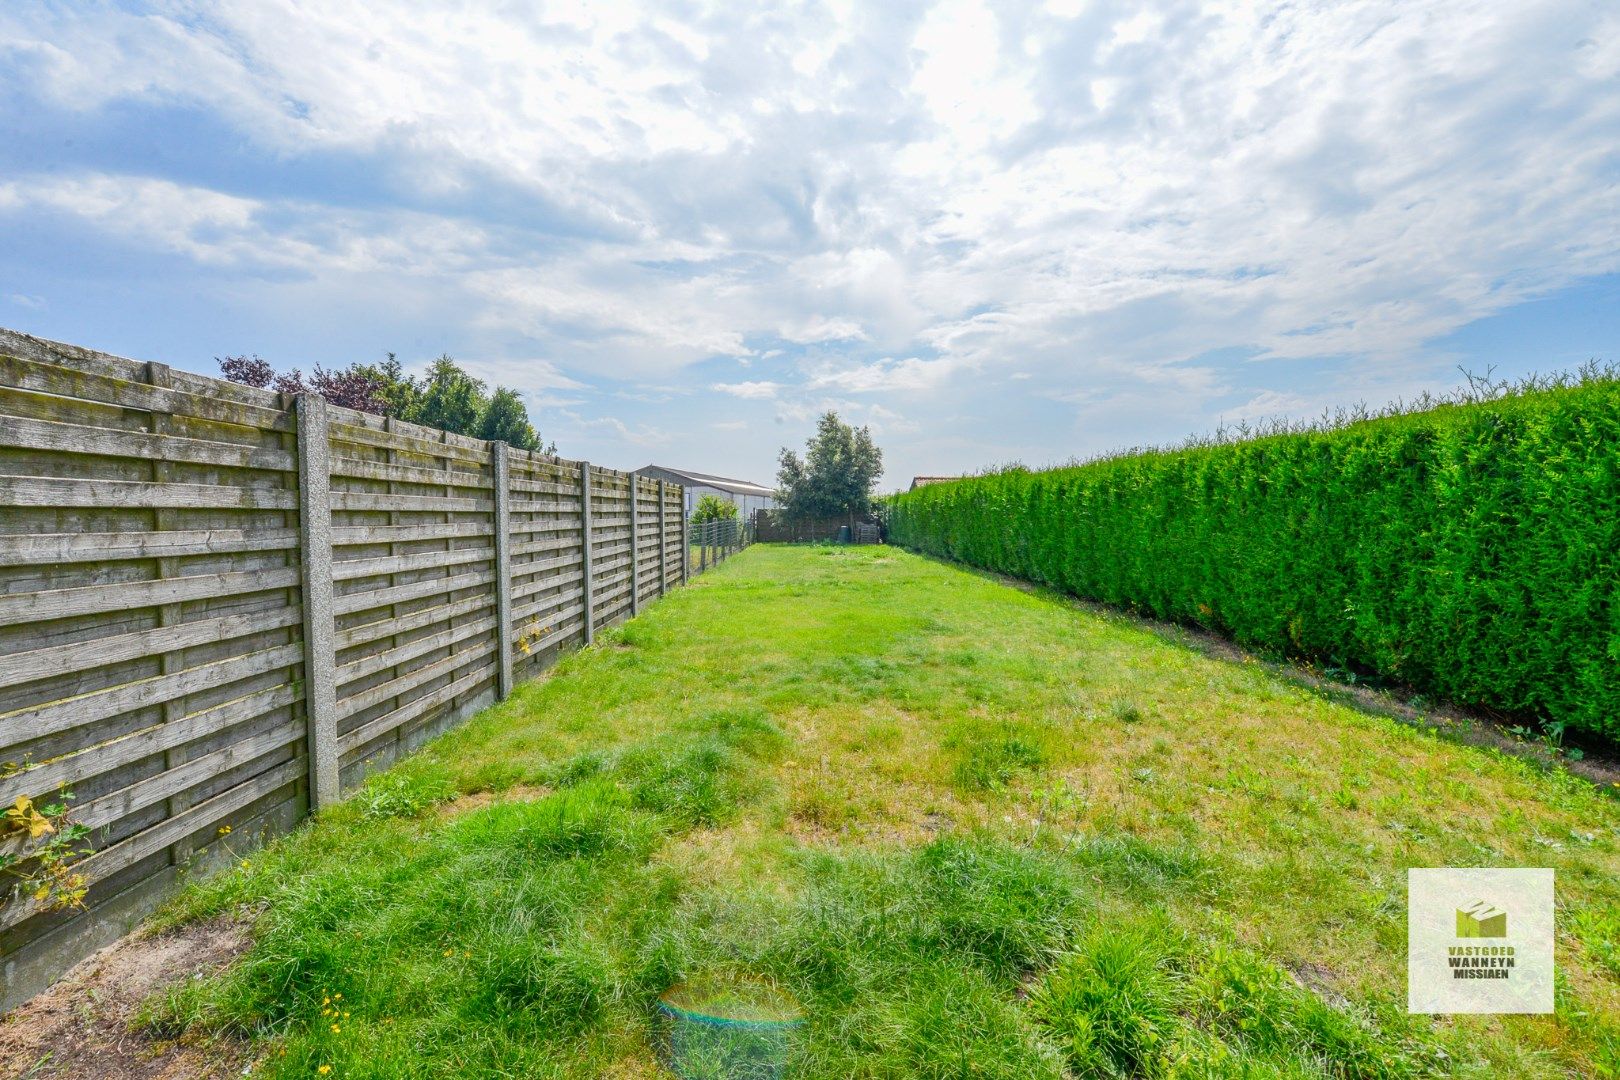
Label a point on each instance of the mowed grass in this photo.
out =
(976, 830)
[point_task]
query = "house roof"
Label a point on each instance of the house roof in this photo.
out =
(924, 481)
(724, 483)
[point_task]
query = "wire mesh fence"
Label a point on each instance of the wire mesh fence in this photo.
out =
(710, 543)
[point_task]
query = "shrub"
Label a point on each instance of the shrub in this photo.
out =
(1471, 549)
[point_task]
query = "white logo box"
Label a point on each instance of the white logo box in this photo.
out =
(1479, 940)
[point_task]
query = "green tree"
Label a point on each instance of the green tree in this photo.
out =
(506, 420)
(449, 398)
(395, 391)
(837, 475)
(713, 508)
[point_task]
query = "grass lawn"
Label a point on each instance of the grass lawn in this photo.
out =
(977, 831)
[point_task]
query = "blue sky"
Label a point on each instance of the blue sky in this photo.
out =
(992, 232)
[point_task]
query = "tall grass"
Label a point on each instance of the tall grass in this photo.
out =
(1469, 547)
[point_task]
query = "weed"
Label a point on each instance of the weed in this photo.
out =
(990, 763)
(407, 791)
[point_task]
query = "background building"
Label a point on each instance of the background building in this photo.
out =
(744, 494)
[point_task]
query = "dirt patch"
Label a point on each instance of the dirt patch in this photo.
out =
(466, 804)
(1320, 981)
(79, 1029)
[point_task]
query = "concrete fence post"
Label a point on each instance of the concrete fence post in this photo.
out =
(585, 549)
(320, 628)
(635, 555)
(686, 542)
(663, 540)
(500, 478)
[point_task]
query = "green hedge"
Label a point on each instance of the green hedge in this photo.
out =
(1471, 550)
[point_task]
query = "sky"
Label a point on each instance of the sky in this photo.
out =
(991, 232)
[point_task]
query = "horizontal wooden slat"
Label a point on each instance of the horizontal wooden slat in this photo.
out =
(406, 474)
(404, 684)
(191, 773)
(549, 609)
(370, 598)
(124, 595)
(366, 633)
(102, 652)
(535, 547)
(31, 549)
(82, 439)
(343, 431)
(37, 721)
(44, 378)
(418, 707)
(366, 500)
(349, 535)
(529, 588)
(114, 753)
(139, 494)
(349, 569)
(381, 661)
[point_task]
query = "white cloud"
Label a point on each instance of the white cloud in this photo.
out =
(1086, 198)
(750, 391)
(820, 329)
(887, 374)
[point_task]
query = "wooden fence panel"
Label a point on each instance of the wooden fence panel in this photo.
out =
(413, 566)
(150, 626)
(156, 644)
(547, 614)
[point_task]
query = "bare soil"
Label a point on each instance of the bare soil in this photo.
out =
(80, 1029)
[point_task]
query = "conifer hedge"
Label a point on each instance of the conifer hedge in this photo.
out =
(1471, 550)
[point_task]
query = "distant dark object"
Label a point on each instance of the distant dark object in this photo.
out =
(924, 481)
(777, 527)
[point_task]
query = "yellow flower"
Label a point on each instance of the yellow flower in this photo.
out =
(336, 1029)
(324, 1069)
(224, 830)
(337, 997)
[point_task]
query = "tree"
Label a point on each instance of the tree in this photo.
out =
(249, 371)
(449, 399)
(506, 420)
(352, 387)
(394, 391)
(837, 475)
(713, 508)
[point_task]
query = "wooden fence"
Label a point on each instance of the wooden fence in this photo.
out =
(775, 527)
(221, 606)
